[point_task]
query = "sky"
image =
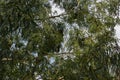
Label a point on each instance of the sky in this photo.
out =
(117, 33)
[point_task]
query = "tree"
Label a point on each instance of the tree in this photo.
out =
(30, 37)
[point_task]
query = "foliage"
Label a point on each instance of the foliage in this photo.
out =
(30, 37)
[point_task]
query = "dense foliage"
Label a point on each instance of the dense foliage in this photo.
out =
(31, 37)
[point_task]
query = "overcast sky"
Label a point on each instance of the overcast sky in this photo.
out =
(117, 28)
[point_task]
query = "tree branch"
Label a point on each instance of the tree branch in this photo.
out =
(50, 17)
(57, 54)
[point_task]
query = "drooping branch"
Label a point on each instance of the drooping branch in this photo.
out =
(55, 54)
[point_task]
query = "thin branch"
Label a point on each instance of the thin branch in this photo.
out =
(57, 16)
(6, 59)
(50, 17)
(57, 54)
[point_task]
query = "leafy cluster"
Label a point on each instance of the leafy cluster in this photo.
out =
(30, 39)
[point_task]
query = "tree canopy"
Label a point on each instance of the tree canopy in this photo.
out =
(31, 36)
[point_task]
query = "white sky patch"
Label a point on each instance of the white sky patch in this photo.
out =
(117, 33)
(52, 60)
(39, 77)
(56, 10)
